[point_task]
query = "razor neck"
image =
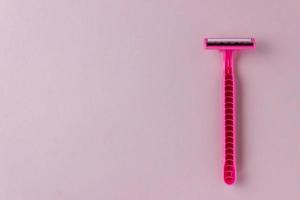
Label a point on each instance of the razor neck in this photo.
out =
(228, 61)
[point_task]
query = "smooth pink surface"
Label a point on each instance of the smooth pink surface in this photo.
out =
(118, 100)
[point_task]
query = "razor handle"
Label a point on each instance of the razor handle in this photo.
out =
(229, 102)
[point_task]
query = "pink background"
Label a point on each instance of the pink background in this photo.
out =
(116, 99)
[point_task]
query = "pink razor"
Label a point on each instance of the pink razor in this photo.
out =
(228, 46)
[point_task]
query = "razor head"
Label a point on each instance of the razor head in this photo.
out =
(229, 43)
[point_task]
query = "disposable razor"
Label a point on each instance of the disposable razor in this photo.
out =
(228, 46)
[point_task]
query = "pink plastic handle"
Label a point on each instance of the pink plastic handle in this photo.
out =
(229, 170)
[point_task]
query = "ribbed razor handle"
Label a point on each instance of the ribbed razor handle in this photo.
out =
(229, 121)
